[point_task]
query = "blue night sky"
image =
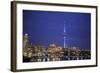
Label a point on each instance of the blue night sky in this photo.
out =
(45, 27)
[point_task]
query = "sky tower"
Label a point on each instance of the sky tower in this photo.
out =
(64, 35)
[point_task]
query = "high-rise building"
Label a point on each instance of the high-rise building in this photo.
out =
(25, 40)
(64, 35)
(27, 49)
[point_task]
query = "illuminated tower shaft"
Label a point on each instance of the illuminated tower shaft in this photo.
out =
(64, 36)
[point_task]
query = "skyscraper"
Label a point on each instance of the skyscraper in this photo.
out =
(25, 40)
(64, 35)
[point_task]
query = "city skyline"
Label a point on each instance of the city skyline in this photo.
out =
(45, 27)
